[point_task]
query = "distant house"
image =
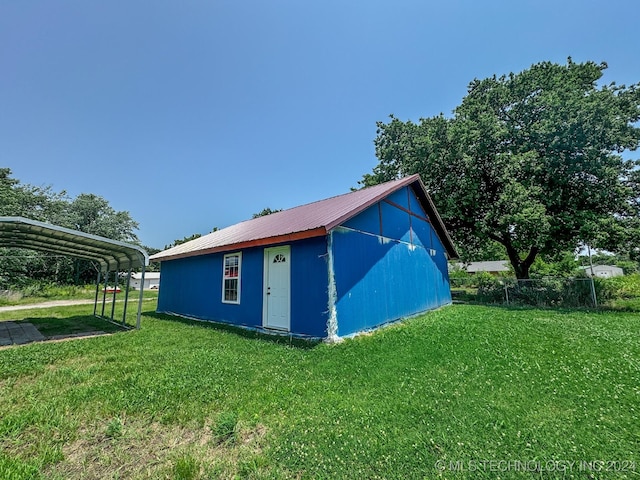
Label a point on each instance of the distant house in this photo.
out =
(603, 271)
(151, 280)
(326, 269)
(494, 267)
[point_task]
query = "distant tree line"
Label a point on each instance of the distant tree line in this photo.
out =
(87, 213)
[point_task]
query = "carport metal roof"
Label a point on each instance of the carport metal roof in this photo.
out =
(19, 232)
(111, 255)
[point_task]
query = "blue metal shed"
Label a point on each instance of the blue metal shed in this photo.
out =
(327, 269)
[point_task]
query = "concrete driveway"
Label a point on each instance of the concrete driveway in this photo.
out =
(53, 303)
(19, 333)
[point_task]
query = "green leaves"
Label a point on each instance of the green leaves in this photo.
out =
(266, 211)
(91, 213)
(530, 160)
(88, 213)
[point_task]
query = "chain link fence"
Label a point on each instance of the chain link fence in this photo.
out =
(542, 292)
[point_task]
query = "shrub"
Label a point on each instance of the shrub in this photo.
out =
(10, 296)
(627, 286)
(35, 289)
(564, 265)
(490, 289)
(552, 292)
(548, 292)
(458, 273)
(50, 290)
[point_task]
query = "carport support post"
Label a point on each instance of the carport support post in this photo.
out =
(104, 290)
(115, 290)
(95, 301)
(126, 298)
(140, 298)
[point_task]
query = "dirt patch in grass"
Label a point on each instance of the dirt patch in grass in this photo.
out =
(130, 448)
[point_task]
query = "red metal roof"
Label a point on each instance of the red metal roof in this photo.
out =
(306, 221)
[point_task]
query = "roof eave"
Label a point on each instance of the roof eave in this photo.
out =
(289, 237)
(413, 180)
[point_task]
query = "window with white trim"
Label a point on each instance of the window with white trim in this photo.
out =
(231, 267)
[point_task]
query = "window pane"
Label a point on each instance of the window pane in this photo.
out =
(231, 266)
(231, 290)
(231, 278)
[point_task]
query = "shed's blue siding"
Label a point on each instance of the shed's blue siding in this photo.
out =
(387, 261)
(415, 207)
(192, 286)
(401, 197)
(381, 279)
(395, 223)
(309, 293)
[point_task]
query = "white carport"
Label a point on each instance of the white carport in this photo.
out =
(109, 256)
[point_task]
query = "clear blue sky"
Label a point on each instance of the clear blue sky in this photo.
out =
(195, 114)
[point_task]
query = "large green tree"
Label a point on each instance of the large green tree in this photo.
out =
(18, 267)
(91, 213)
(23, 200)
(529, 160)
(88, 213)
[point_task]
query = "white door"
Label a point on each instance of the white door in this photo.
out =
(277, 296)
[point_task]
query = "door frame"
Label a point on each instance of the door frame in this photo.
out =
(265, 298)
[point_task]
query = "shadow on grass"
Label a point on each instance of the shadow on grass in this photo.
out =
(76, 326)
(248, 332)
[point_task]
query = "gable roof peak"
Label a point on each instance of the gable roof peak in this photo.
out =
(305, 221)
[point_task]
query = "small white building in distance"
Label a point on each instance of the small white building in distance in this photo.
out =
(494, 267)
(604, 271)
(151, 280)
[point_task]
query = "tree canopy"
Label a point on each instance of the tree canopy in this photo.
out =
(531, 161)
(88, 213)
(265, 211)
(180, 241)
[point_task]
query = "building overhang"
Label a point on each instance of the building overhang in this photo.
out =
(19, 232)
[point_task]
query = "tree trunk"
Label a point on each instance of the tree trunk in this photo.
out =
(76, 277)
(521, 267)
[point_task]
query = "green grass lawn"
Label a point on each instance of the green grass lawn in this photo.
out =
(68, 292)
(467, 383)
